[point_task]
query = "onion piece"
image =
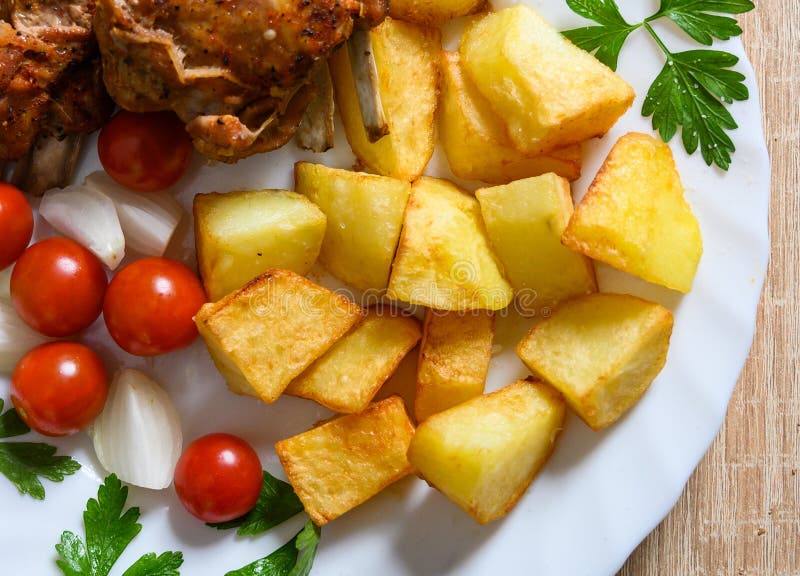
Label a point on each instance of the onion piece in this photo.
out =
(138, 434)
(89, 217)
(16, 337)
(148, 220)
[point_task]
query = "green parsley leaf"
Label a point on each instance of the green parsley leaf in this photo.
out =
(151, 565)
(11, 424)
(24, 462)
(306, 542)
(700, 18)
(295, 558)
(686, 94)
(276, 504)
(606, 40)
(109, 530)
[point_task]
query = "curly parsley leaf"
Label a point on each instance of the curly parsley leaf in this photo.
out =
(701, 19)
(23, 463)
(295, 558)
(687, 94)
(11, 424)
(276, 504)
(109, 530)
(606, 40)
(151, 565)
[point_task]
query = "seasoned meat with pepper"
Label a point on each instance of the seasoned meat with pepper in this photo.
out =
(50, 84)
(236, 71)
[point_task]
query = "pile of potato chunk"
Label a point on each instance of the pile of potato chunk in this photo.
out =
(510, 116)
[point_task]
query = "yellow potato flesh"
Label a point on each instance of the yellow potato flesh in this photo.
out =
(240, 235)
(345, 462)
(475, 139)
(524, 221)
(635, 216)
(549, 92)
(365, 216)
(484, 454)
(601, 352)
(444, 260)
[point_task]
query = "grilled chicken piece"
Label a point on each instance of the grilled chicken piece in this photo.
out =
(235, 71)
(50, 85)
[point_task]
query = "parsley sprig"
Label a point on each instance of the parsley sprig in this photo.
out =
(295, 558)
(276, 504)
(108, 531)
(23, 463)
(692, 89)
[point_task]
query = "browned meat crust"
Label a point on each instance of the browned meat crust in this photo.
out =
(49, 73)
(234, 70)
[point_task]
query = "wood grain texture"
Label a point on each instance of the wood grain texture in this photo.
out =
(740, 513)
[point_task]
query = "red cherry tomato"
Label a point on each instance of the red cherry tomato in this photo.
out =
(57, 287)
(218, 478)
(59, 388)
(16, 224)
(150, 306)
(145, 152)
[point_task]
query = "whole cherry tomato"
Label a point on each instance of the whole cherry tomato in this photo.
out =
(57, 287)
(150, 306)
(145, 152)
(59, 388)
(16, 224)
(218, 478)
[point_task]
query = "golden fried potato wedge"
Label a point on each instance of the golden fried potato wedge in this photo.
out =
(484, 454)
(345, 462)
(453, 359)
(635, 216)
(475, 139)
(524, 221)
(549, 92)
(434, 12)
(601, 352)
(444, 260)
(263, 336)
(349, 375)
(365, 216)
(240, 235)
(407, 59)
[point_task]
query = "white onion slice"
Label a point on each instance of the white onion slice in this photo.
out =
(148, 219)
(138, 434)
(16, 337)
(89, 217)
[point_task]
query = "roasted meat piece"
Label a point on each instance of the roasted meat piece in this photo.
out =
(236, 71)
(50, 85)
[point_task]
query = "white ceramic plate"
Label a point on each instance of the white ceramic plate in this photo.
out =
(600, 494)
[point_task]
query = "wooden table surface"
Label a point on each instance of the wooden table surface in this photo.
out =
(740, 513)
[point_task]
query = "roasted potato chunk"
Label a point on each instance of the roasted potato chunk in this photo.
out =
(549, 92)
(349, 375)
(365, 216)
(475, 139)
(407, 59)
(444, 260)
(345, 462)
(601, 352)
(453, 359)
(635, 216)
(263, 336)
(484, 454)
(240, 235)
(524, 221)
(434, 12)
